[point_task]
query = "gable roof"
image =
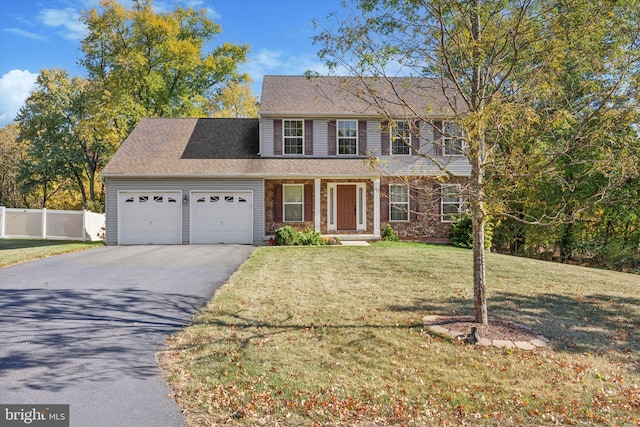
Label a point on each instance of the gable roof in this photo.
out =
(187, 147)
(341, 96)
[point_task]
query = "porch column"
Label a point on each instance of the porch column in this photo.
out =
(376, 207)
(316, 210)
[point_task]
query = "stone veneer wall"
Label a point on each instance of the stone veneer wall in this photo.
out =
(426, 227)
(269, 199)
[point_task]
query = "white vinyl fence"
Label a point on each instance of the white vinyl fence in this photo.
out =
(51, 224)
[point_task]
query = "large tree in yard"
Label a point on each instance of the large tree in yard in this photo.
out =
(539, 87)
(155, 64)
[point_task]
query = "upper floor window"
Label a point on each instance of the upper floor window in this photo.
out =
(401, 139)
(293, 135)
(451, 201)
(398, 202)
(347, 136)
(452, 142)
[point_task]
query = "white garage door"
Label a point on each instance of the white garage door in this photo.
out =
(221, 217)
(150, 218)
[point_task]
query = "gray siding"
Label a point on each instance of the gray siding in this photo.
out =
(373, 137)
(266, 137)
(320, 138)
(457, 165)
(113, 185)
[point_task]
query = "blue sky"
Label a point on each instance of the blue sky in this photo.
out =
(39, 34)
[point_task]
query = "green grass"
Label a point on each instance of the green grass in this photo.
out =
(334, 336)
(16, 251)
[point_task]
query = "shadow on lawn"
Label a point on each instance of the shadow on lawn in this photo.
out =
(52, 338)
(583, 323)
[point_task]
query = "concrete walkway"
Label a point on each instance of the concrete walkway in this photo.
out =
(354, 243)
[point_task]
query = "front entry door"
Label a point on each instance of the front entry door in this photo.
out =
(346, 195)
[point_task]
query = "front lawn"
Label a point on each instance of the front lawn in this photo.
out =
(15, 251)
(334, 336)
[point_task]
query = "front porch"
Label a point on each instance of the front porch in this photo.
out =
(347, 208)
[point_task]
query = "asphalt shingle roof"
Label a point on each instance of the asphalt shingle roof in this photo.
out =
(339, 96)
(187, 147)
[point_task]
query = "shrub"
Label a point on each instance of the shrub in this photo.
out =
(461, 233)
(309, 237)
(286, 236)
(389, 234)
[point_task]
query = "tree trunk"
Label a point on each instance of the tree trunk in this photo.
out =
(476, 156)
(479, 280)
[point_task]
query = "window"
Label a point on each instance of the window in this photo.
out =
(401, 139)
(293, 202)
(451, 202)
(347, 136)
(398, 202)
(293, 136)
(452, 142)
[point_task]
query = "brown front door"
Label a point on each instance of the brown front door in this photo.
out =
(346, 205)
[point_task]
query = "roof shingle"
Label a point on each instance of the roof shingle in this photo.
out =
(339, 96)
(185, 147)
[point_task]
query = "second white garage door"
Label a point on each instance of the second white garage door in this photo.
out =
(221, 217)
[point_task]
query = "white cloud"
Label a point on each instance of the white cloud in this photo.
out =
(279, 62)
(15, 87)
(26, 34)
(68, 20)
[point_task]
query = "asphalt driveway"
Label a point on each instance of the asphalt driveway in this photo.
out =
(83, 328)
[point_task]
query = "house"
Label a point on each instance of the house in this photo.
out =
(318, 157)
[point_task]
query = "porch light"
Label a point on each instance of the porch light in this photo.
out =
(185, 199)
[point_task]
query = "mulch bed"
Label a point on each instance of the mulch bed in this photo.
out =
(496, 329)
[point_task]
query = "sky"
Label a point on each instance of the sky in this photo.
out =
(42, 34)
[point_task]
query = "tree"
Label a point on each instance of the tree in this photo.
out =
(532, 83)
(11, 153)
(152, 64)
(47, 125)
(234, 101)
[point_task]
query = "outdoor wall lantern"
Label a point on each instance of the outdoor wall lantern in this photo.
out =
(185, 199)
